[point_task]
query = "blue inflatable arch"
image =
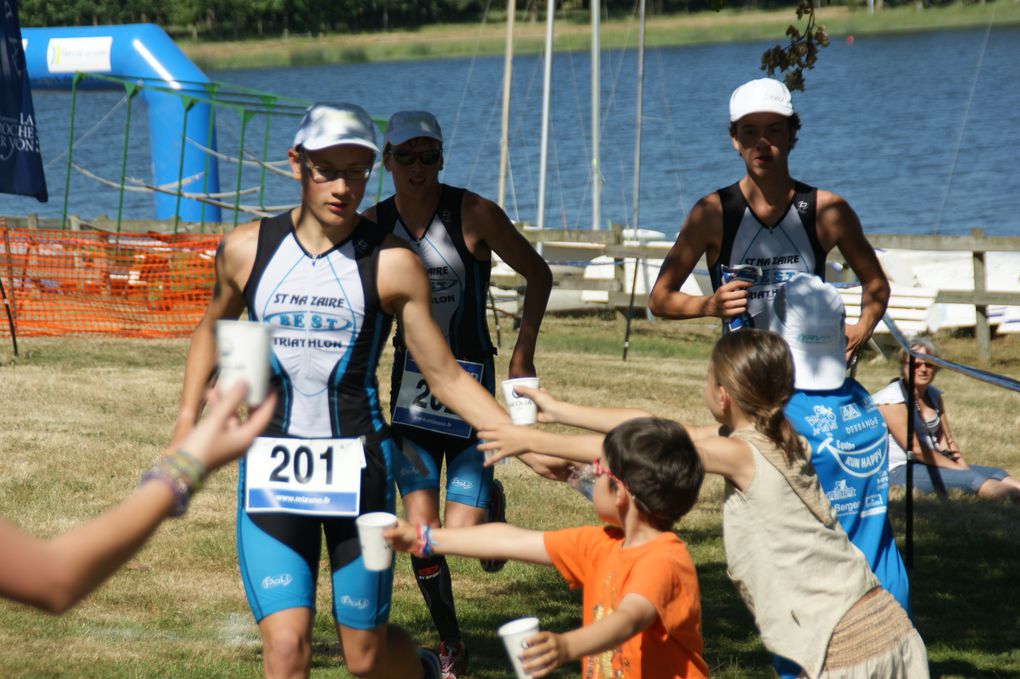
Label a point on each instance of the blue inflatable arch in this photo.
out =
(54, 55)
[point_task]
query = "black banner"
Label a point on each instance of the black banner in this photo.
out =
(21, 169)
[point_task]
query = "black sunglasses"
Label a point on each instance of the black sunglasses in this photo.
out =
(405, 157)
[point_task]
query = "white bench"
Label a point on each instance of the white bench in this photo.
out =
(912, 309)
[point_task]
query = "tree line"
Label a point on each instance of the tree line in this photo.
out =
(234, 19)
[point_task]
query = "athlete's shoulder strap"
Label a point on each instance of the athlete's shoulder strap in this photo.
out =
(367, 237)
(272, 232)
(450, 213)
(733, 206)
(451, 202)
(805, 200)
(386, 214)
(366, 241)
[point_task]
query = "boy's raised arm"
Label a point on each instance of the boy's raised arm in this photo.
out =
(548, 650)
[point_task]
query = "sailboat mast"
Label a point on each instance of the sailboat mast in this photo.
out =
(596, 172)
(504, 136)
(640, 104)
(543, 153)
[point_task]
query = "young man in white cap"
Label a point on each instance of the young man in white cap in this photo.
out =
(329, 282)
(767, 220)
(454, 232)
(846, 432)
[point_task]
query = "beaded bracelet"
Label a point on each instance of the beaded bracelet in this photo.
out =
(182, 472)
(424, 549)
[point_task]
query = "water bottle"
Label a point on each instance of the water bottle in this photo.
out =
(740, 272)
(582, 479)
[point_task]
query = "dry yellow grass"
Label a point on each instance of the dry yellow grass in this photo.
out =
(81, 418)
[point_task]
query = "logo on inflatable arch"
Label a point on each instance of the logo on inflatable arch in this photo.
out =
(88, 55)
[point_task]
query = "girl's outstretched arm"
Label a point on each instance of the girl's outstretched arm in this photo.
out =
(552, 410)
(730, 458)
(707, 431)
(509, 439)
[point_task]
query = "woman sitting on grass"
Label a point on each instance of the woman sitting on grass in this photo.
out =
(814, 598)
(943, 467)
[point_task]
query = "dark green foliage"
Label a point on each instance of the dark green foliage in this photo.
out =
(801, 53)
(236, 19)
(231, 19)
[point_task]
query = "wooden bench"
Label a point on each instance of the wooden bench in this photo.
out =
(912, 309)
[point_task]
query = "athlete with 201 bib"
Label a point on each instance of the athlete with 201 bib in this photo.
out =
(329, 282)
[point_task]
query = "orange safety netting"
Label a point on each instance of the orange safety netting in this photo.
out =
(93, 282)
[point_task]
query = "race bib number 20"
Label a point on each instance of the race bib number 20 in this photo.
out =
(316, 477)
(417, 407)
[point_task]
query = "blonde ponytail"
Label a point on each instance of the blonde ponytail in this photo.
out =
(756, 369)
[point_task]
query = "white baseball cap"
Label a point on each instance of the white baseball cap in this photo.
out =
(404, 125)
(808, 313)
(326, 124)
(764, 95)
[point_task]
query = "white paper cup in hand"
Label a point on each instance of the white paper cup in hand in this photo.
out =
(375, 551)
(489, 453)
(522, 410)
(514, 634)
(242, 352)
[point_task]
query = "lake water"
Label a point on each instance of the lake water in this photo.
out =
(920, 132)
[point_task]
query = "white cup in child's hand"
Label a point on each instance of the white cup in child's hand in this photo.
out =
(514, 634)
(489, 454)
(242, 352)
(375, 550)
(522, 409)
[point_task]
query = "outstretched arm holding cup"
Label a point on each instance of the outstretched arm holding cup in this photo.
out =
(508, 440)
(55, 574)
(646, 477)
(543, 651)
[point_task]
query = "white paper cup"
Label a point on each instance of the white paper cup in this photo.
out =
(376, 552)
(514, 634)
(522, 410)
(489, 453)
(242, 352)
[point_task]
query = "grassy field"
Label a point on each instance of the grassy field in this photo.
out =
(465, 40)
(81, 419)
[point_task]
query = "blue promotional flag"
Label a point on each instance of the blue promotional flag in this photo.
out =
(21, 169)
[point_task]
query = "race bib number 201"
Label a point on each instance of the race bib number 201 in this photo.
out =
(316, 477)
(417, 407)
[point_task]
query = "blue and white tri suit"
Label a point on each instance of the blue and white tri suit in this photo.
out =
(328, 333)
(459, 283)
(849, 451)
(788, 247)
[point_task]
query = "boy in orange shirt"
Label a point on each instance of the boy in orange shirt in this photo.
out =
(642, 609)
